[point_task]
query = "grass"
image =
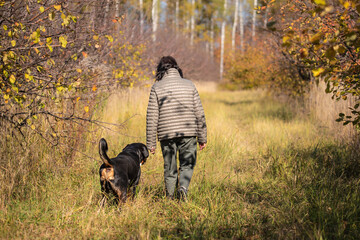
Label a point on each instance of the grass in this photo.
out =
(268, 172)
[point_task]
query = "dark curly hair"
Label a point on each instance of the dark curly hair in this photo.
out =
(165, 64)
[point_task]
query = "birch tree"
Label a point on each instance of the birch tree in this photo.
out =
(254, 20)
(223, 25)
(192, 22)
(241, 13)
(235, 25)
(155, 18)
(177, 16)
(212, 34)
(141, 6)
(106, 14)
(117, 8)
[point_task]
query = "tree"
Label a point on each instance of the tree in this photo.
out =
(223, 29)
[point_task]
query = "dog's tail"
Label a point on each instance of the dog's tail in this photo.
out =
(103, 147)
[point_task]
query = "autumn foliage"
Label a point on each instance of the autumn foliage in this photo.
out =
(323, 38)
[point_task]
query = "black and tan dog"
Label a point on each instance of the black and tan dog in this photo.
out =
(119, 174)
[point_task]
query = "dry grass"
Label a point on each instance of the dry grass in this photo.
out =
(264, 175)
(327, 110)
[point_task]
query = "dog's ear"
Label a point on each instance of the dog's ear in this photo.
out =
(145, 153)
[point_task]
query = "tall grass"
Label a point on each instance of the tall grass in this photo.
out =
(267, 173)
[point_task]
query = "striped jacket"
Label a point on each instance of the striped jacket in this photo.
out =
(174, 110)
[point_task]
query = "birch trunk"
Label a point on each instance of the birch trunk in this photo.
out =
(177, 16)
(192, 22)
(254, 20)
(266, 16)
(155, 17)
(235, 25)
(241, 13)
(117, 8)
(212, 37)
(92, 12)
(223, 26)
(106, 14)
(141, 5)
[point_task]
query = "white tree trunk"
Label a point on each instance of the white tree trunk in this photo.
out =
(234, 25)
(106, 14)
(192, 22)
(141, 5)
(155, 17)
(117, 8)
(266, 16)
(254, 20)
(223, 28)
(177, 16)
(212, 37)
(241, 13)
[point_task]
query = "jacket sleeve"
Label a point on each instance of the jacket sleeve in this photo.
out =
(200, 118)
(152, 118)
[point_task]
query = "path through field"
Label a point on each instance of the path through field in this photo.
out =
(268, 172)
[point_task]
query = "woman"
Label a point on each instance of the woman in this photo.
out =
(175, 114)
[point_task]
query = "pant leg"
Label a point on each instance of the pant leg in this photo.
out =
(187, 157)
(169, 151)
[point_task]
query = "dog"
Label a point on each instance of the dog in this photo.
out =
(119, 174)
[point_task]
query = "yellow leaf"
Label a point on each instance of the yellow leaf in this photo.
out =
(95, 37)
(94, 88)
(286, 39)
(318, 71)
(320, 2)
(77, 99)
(346, 4)
(86, 108)
(13, 43)
(57, 7)
(12, 79)
(42, 9)
(63, 40)
(79, 70)
(33, 127)
(6, 96)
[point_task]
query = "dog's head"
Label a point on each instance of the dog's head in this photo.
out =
(140, 149)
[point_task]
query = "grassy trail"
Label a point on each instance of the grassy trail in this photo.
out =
(268, 172)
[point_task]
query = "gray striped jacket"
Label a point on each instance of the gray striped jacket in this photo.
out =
(174, 110)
